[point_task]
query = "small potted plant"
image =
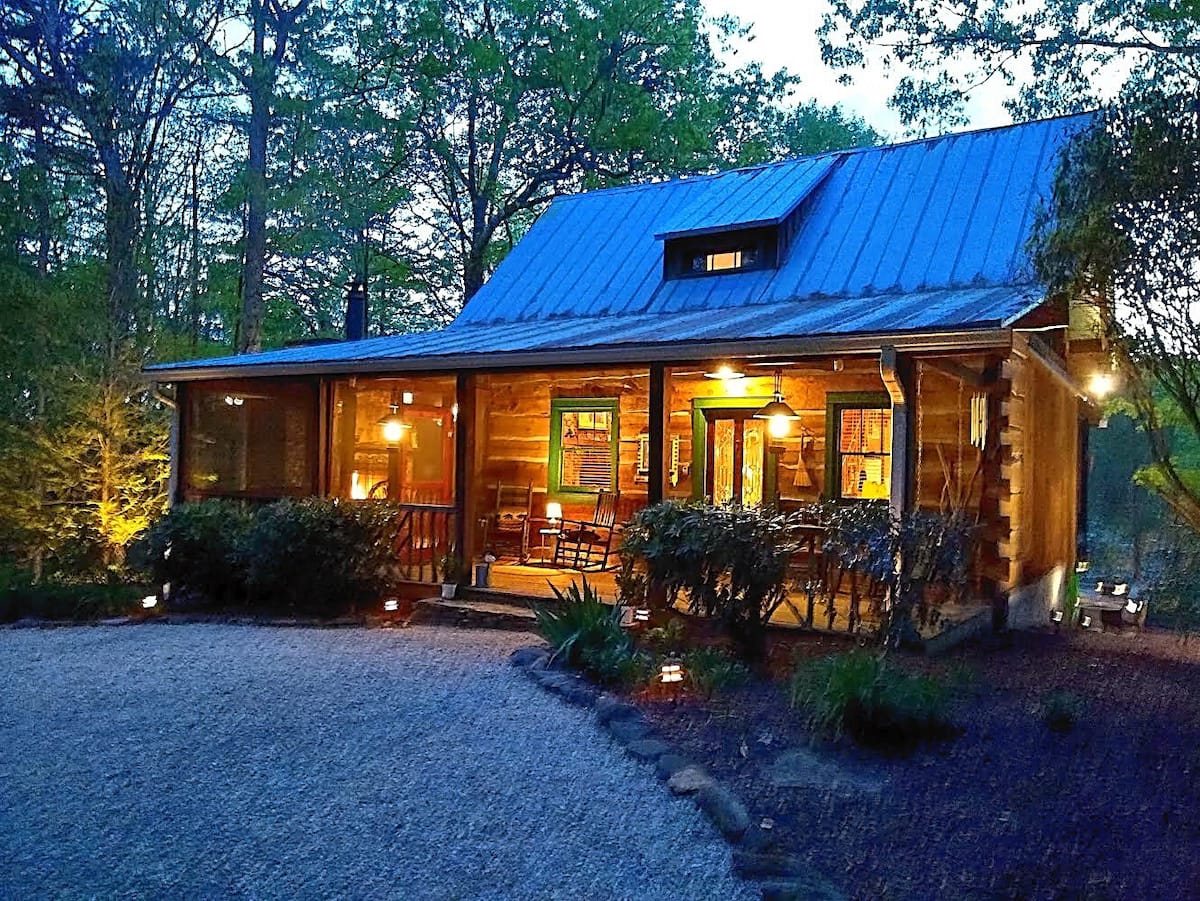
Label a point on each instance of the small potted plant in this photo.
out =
(451, 568)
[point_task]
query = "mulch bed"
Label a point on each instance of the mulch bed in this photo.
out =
(1009, 809)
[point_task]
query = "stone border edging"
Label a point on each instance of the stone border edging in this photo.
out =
(781, 876)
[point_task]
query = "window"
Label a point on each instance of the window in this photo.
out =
(583, 444)
(860, 460)
(252, 438)
(745, 258)
(740, 250)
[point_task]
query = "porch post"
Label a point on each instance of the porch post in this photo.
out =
(657, 429)
(889, 370)
(175, 445)
(464, 397)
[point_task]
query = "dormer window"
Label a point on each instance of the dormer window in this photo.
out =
(721, 253)
(725, 261)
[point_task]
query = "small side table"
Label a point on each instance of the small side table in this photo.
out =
(545, 551)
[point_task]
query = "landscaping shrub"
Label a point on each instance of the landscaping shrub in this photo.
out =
(20, 598)
(730, 563)
(860, 695)
(710, 670)
(915, 556)
(671, 636)
(320, 556)
(1061, 710)
(197, 548)
(618, 664)
(581, 628)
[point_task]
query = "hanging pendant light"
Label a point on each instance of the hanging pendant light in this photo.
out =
(393, 425)
(778, 414)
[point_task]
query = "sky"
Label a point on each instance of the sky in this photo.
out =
(784, 36)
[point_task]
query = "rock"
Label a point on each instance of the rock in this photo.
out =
(801, 768)
(609, 708)
(628, 730)
(576, 692)
(648, 749)
(804, 888)
(689, 780)
(526, 657)
(758, 839)
(724, 808)
(670, 764)
(765, 864)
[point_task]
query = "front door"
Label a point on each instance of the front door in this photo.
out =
(736, 454)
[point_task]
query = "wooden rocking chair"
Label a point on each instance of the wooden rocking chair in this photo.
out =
(585, 545)
(507, 526)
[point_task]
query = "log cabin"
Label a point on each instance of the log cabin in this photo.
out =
(633, 345)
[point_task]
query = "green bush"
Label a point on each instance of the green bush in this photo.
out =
(197, 548)
(669, 637)
(320, 556)
(710, 670)
(581, 626)
(1061, 710)
(618, 664)
(20, 597)
(730, 563)
(859, 695)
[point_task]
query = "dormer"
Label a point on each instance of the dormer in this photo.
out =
(739, 221)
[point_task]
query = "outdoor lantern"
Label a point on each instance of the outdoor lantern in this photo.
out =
(149, 602)
(554, 511)
(391, 605)
(672, 671)
(393, 425)
(1086, 622)
(1082, 566)
(1101, 384)
(1121, 588)
(777, 413)
(725, 373)
(1056, 616)
(1132, 607)
(641, 615)
(407, 397)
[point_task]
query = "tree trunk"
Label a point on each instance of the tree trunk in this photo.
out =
(259, 90)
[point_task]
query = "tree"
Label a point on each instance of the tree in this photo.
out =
(1065, 55)
(512, 102)
(110, 76)
(1123, 234)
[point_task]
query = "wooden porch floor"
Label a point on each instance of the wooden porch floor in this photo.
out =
(511, 580)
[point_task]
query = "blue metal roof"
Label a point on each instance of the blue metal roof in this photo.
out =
(929, 235)
(748, 198)
(969, 308)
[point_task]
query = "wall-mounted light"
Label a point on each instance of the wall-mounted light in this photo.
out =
(393, 425)
(1101, 384)
(777, 413)
(407, 397)
(234, 400)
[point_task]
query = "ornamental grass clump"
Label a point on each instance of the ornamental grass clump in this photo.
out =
(1061, 711)
(860, 695)
(712, 670)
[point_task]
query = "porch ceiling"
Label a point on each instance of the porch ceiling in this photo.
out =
(925, 320)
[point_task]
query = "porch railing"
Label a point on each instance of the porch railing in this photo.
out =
(425, 534)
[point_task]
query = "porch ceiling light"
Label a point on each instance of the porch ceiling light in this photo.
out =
(393, 425)
(778, 414)
(725, 373)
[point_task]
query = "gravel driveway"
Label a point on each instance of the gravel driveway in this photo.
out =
(218, 761)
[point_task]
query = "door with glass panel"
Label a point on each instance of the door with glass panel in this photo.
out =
(736, 454)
